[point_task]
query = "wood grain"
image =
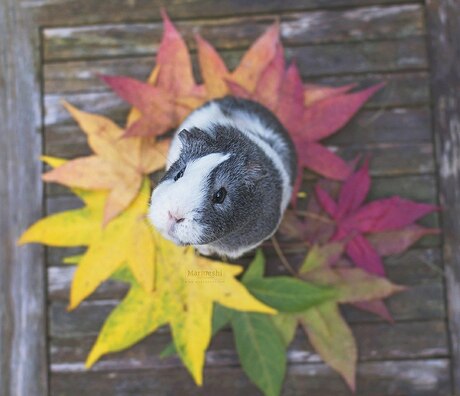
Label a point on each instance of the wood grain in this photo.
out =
(314, 61)
(444, 43)
(401, 90)
(335, 42)
(421, 302)
(394, 126)
(82, 12)
(73, 77)
(123, 40)
(420, 269)
(376, 342)
(422, 378)
(23, 356)
(418, 266)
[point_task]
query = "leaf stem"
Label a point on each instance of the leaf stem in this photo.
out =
(314, 216)
(282, 257)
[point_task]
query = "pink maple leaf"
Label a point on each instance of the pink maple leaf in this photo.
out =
(355, 222)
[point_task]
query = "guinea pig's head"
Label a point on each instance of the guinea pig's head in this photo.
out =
(210, 190)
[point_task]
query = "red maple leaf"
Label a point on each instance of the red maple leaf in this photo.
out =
(355, 222)
(157, 102)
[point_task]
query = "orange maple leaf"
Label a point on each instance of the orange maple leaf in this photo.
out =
(118, 164)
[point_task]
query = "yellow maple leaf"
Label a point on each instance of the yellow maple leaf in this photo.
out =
(76, 227)
(187, 285)
(126, 240)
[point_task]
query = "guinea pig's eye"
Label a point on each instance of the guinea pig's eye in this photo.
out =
(219, 196)
(179, 174)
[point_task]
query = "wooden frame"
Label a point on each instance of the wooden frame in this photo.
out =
(23, 351)
(444, 49)
(23, 354)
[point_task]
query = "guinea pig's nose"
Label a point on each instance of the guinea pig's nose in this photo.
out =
(175, 217)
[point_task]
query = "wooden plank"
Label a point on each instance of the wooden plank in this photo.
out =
(444, 43)
(367, 23)
(420, 269)
(414, 267)
(23, 357)
(85, 12)
(401, 90)
(361, 57)
(313, 61)
(386, 126)
(390, 378)
(393, 159)
(376, 341)
(369, 126)
(389, 159)
(75, 77)
(424, 301)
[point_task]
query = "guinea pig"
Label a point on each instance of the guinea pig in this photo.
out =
(230, 175)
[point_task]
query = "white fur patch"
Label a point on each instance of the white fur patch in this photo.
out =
(251, 126)
(182, 199)
(201, 118)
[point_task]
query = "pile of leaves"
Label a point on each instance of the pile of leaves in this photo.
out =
(344, 237)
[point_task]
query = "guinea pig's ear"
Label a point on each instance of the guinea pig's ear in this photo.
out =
(253, 172)
(189, 136)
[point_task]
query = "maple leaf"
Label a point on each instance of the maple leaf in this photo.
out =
(78, 227)
(157, 111)
(396, 242)
(157, 100)
(314, 92)
(187, 285)
(323, 324)
(332, 338)
(118, 166)
(260, 347)
(354, 221)
(213, 70)
(319, 228)
(165, 102)
(310, 113)
(127, 240)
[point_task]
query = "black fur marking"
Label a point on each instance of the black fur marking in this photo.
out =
(251, 210)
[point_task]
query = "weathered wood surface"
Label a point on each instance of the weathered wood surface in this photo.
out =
(406, 54)
(23, 356)
(420, 269)
(87, 12)
(376, 341)
(444, 40)
(394, 126)
(334, 42)
(366, 23)
(405, 377)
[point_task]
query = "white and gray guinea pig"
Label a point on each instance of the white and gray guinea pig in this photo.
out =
(229, 180)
